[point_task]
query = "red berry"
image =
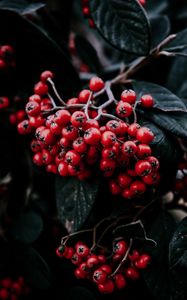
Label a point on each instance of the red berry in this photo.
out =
(92, 136)
(35, 146)
(154, 163)
(134, 256)
(63, 169)
(107, 287)
(92, 261)
(41, 89)
(62, 117)
(13, 119)
(106, 268)
(79, 274)
(124, 109)
(145, 135)
(45, 75)
(70, 132)
(143, 151)
(128, 96)
(86, 11)
(114, 126)
(32, 108)
(108, 139)
(147, 101)
(46, 137)
(72, 157)
(24, 127)
(124, 180)
(152, 178)
(107, 166)
(120, 247)
(127, 194)
(46, 157)
(109, 153)
(76, 259)
(96, 84)
(115, 188)
(78, 119)
(37, 159)
(120, 281)
(132, 274)
(20, 115)
(143, 261)
(55, 128)
(36, 121)
(79, 145)
(91, 123)
(69, 252)
(99, 276)
(35, 98)
(133, 128)
(4, 294)
(52, 168)
(4, 102)
(101, 258)
(84, 96)
(82, 250)
(138, 187)
(143, 167)
(129, 148)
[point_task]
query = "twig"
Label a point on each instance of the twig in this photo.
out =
(55, 91)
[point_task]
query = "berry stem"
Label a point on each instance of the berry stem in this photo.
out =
(55, 91)
(87, 106)
(67, 237)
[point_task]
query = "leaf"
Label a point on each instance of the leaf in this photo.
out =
(123, 24)
(21, 6)
(156, 7)
(178, 261)
(160, 28)
(133, 230)
(164, 100)
(178, 44)
(75, 200)
(27, 227)
(88, 54)
(33, 267)
(157, 275)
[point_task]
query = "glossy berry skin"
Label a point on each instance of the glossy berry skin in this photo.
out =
(106, 268)
(78, 119)
(70, 132)
(99, 276)
(152, 179)
(124, 109)
(46, 75)
(143, 261)
(37, 159)
(143, 167)
(108, 139)
(91, 123)
(147, 101)
(92, 261)
(109, 153)
(127, 194)
(143, 151)
(72, 157)
(115, 188)
(129, 148)
(24, 127)
(63, 169)
(107, 287)
(92, 136)
(79, 145)
(107, 165)
(46, 157)
(134, 256)
(132, 273)
(41, 89)
(154, 163)
(114, 126)
(96, 84)
(79, 274)
(82, 250)
(124, 180)
(76, 259)
(128, 96)
(4, 102)
(132, 129)
(84, 96)
(120, 248)
(52, 168)
(62, 117)
(35, 98)
(145, 135)
(120, 281)
(138, 187)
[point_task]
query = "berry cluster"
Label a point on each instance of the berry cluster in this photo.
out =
(11, 289)
(110, 274)
(75, 138)
(7, 57)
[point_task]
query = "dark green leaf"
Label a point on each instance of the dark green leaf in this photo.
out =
(88, 54)
(160, 28)
(156, 7)
(75, 200)
(164, 100)
(34, 268)
(21, 6)
(157, 275)
(27, 227)
(179, 44)
(124, 24)
(178, 261)
(134, 230)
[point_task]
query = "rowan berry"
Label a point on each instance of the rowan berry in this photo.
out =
(124, 109)
(96, 84)
(128, 96)
(147, 101)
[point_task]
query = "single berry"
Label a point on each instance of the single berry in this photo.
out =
(46, 75)
(143, 167)
(120, 247)
(147, 101)
(120, 281)
(84, 96)
(138, 187)
(107, 287)
(92, 136)
(108, 139)
(145, 135)
(129, 148)
(99, 276)
(128, 96)
(78, 119)
(96, 84)
(124, 109)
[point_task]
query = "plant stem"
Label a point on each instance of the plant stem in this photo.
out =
(55, 91)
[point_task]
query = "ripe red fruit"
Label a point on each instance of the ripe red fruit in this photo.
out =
(106, 268)
(145, 135)
(152, 178)
(78, 119)
(82, 250)
(92, 136)
(107, 287)
(70, 132)
(143, 167)
(96, 84)
(4, 294)
(143, 261)
(110, 153)
(63, 169)
(114, 187)
(46, 157)
(52, 168)
(45, 75)
(37, 159)
(138, 187)
(147, 101)
(76, 259)
(79, 274)
(4, 102)
(72, 157)
(143, 151)
(99, 276)
(91, 123)
(124, 180)
(108, 139)
(41, 89)
(133, 128)
(24, 127)
(154, 163)
(127, 194)
(129, 148)
(120, 247)
(114, 126)
(132, 274)
(62, 117)
(32, 108)
(107, 165)
(92, 261)
(84, 96)
(120, 281)
(128, 96)
(46, 137)
(35, 98)
(134, 256)
(79, 145)
(124, 109)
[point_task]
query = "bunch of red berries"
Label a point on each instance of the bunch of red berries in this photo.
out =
(7, 57)
(181, 180)
(110, 274)
(13, 289)
(74, 138)
(86, 13)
